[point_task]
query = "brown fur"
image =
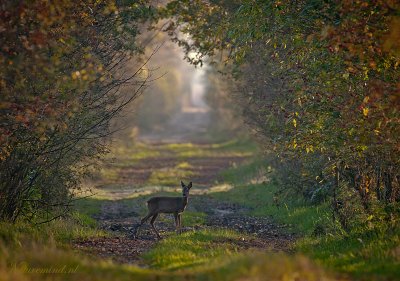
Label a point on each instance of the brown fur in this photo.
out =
(167, 205)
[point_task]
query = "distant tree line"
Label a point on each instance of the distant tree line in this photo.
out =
(61, 71)
(319, 82)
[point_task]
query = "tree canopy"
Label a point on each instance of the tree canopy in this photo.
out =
(62, 65)
(319, 82)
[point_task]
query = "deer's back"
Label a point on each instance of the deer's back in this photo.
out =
(166, 204)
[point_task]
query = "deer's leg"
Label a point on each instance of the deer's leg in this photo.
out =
(176, 216)
(142, 222)
(146, 218)
(152, 225)
(179, 223)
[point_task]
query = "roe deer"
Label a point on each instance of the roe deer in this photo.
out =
(166, 205)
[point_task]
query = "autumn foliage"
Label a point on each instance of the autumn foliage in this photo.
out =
(319, 82)
(60, 75)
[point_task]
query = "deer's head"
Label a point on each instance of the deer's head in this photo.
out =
(186, 189)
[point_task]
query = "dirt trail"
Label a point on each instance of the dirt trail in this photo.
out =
(124, 248)
(201, 164)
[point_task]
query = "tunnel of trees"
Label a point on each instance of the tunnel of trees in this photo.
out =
(318, 81)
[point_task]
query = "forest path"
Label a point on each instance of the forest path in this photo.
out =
(122, 247)
(155, 165)
(147, 169)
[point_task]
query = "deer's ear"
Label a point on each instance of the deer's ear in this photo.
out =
(183, 185)
(190, 185)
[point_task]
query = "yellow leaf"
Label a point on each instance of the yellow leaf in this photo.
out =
(365, 111)
(294, 123)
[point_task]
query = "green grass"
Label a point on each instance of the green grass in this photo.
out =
(237, 146)
(230, 148)
(246, 267)
(88, 206)
(366, 253)
(259, 198)
(142, 151)
(245, 173)
(121, 158)
(60, 231)
(137, 151)
(190, 218)
(168, 176)
(200, 255)
(192, 249)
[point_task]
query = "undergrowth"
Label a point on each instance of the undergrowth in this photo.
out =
(368, 252)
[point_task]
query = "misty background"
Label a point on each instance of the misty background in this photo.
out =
(183, 103)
